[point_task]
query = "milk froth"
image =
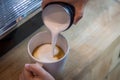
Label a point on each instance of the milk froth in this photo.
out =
(44, 53)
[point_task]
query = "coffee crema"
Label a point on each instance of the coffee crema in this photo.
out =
(44, 53)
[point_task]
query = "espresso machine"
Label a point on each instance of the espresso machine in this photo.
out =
(14, 25)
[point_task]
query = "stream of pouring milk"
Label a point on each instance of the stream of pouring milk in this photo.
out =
(56, 20)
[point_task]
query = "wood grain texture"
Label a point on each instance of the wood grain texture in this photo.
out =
(114, 74)
(92, 41)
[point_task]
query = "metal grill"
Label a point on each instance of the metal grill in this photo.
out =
(10, 10)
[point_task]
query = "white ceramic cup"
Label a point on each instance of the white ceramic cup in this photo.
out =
(54, 68)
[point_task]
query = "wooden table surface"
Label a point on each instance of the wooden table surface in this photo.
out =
(93, 34)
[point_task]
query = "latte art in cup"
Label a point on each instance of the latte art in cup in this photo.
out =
(53, 64)
(44, 53)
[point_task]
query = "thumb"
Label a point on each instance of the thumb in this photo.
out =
(38, 71)
(35, 68)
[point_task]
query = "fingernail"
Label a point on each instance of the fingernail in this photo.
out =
(27, 65)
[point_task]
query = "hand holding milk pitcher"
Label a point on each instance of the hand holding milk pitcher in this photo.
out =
(77, 4)
(58, 16)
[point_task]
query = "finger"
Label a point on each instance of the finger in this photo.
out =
(45, 2)
(39, 71)
(28, 68)
(21, 77)
(78, 17)
(27, 74)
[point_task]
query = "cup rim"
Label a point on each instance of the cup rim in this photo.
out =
(37, 60)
